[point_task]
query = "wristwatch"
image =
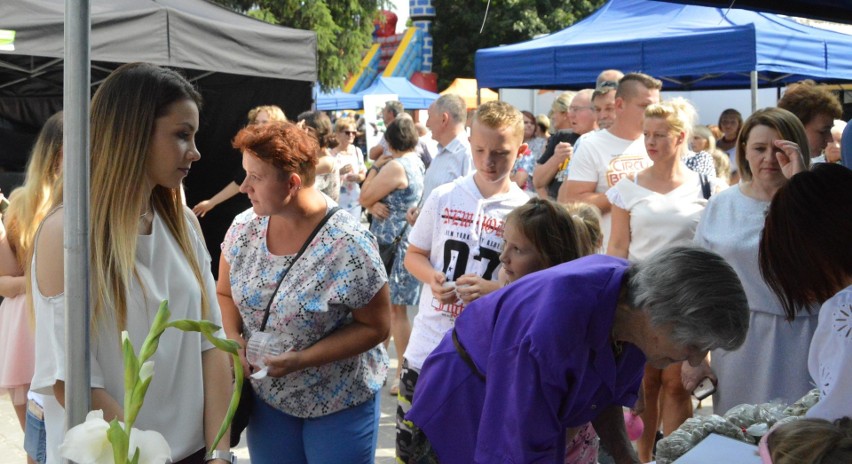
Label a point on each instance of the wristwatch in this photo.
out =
(226, 456)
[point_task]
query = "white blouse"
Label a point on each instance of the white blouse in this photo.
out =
(830, 358)
(174, 403)
(659, 220)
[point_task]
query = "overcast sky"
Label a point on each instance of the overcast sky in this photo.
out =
(400, 7)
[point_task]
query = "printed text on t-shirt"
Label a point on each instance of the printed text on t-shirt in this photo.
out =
(622, 165)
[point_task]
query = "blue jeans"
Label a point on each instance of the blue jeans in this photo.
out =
(35, 437)
(347, 436)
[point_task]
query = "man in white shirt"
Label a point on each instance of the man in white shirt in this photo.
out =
(551, 167)
(447, 118)
(391, 110)
(606, 156)
(604, 101)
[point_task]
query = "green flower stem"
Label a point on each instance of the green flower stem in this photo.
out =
(131, 377)
(208, 329)
(120, 440)
(152, 341)
(138, 373)
(235, 399)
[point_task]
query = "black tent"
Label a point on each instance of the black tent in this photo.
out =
(236, 62)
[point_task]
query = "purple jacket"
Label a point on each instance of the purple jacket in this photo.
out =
(543, 344)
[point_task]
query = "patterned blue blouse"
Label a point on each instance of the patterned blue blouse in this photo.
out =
(404, 287)
(400, 200)
(339, 272)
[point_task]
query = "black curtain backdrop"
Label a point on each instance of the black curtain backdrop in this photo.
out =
(25, 106)
(227, 101)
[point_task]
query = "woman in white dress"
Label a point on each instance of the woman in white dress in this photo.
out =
(656, 208)
(350, 164)
(773, 362)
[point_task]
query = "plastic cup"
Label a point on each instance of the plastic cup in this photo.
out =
(262, 344)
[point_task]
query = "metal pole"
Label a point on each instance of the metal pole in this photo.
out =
(753, 91)
(76, 197)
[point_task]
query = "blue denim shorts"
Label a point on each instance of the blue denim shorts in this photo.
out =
(34, 436)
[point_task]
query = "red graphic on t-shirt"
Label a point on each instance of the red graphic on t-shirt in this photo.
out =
(622, 165)
(462, 218)
(451, 310)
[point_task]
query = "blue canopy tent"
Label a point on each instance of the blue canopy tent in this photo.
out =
(338, 100)
(411, 96)
(689, 47)
(828, 10)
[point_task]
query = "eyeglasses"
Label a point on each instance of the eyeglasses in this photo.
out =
(577, 109)
(607, 85)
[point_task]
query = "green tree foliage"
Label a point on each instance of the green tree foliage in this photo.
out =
(456, 30)
(344, 29)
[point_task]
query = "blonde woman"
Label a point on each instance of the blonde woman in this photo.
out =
(657, 208)
(28, 206)
(349, 160)
(144, 248)
(702, 140)
(257, 115)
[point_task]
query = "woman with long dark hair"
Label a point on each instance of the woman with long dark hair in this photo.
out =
(806, 259)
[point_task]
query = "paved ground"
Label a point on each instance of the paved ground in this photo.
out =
(12, 438)
(11, 435)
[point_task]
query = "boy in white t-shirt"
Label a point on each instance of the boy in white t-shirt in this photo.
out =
(458, 237)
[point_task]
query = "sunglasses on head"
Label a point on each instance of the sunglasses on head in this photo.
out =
(350, 132)
(607, 85)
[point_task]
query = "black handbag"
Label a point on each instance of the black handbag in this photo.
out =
(388, 251)
(244, 408)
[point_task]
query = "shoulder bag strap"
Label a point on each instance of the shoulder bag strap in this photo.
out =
(298, 255)
(705, 186)
(401, 233)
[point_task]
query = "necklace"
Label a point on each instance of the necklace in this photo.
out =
(146, 213)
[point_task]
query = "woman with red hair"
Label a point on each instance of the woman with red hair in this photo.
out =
(327, 300)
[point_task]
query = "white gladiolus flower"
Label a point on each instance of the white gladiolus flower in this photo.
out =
(153, 448)
(87, 443)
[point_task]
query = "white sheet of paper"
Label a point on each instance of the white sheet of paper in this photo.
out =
(717, 449)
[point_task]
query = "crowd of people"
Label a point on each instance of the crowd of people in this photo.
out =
(568, 271)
